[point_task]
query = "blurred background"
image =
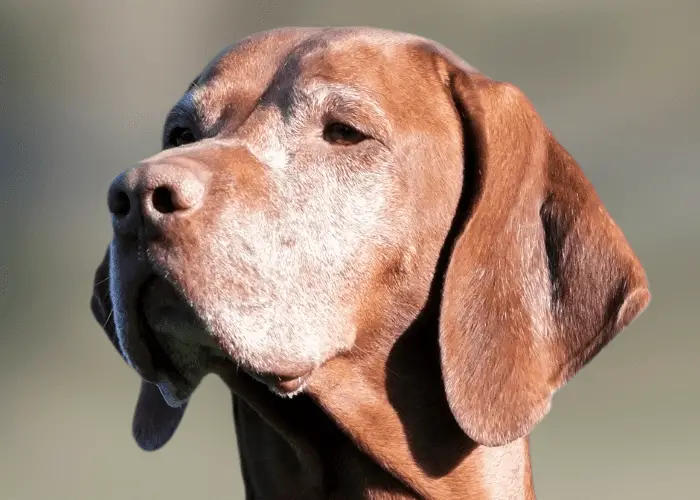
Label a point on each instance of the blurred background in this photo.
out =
(84, 89)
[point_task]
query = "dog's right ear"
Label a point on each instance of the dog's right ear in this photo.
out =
(154, 420)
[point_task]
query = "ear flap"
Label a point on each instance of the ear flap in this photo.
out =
(539, 280)
(154, 421)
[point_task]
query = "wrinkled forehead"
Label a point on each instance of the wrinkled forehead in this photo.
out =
(380, 67)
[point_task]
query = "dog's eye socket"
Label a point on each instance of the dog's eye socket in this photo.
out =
(179, 136)
(342, 134)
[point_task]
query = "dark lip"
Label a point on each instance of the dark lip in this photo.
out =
(162, 365)
(161, 368)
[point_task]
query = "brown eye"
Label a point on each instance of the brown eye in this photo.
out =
(342, 134)
(179, 136)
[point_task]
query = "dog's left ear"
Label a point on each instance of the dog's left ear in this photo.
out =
(540, 278)
(154, 420)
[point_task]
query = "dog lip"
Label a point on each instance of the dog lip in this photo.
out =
(290, 386)
(175, 393)
(163, 367)
(284, 384)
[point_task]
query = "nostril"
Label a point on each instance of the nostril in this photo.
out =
(120, 205)
(162, 199)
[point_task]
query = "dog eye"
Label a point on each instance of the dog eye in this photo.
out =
(342, 134)
(179, 136)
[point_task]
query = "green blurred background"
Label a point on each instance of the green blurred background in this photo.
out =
(84, 88)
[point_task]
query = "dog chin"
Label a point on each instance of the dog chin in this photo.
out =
(287, 394)
(285, 387)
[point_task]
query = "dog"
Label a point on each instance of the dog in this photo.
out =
(386, 256)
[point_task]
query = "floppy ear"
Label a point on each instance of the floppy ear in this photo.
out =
(154, 421)
(540, 278)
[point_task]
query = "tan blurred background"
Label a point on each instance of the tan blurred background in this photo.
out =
(84, 88)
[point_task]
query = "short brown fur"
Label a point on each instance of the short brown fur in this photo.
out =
(426, 290)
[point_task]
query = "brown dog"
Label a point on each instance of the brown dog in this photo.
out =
(357, 218)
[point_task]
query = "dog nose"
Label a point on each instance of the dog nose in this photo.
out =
(151, 195)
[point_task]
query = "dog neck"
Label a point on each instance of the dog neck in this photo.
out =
(401, 420)
(374, 424)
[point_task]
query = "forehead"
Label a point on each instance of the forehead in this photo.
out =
(382, 64)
